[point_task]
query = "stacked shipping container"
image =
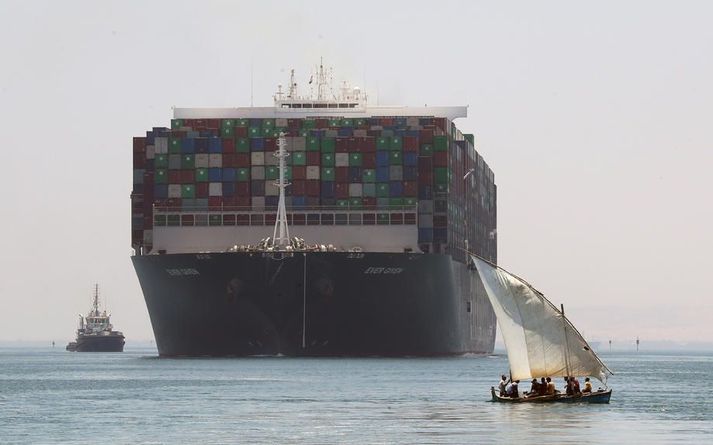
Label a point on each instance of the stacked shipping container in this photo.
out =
(218, 166)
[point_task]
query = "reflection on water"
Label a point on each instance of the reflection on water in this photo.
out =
(59, 397)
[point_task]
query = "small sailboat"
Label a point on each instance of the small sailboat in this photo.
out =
(540, 340)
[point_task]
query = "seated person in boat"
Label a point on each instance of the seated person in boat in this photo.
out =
(575, 385)
(502, 386)
(568, 386)
(550, 387)
(534, 389)
(587, 386)
(543, 386)
(513, 391)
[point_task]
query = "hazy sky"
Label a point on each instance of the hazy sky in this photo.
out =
(597, 118)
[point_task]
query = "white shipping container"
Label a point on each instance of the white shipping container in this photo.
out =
(296, 143)
(280, 122)
(215, 189)
(257, 158)
(396, 173)
(215, 160)
(313, 172)
(425, 220)
(258, 202)
(174, 190)
(161, 145)
(271, 159)
(330, 133)
(360, 133)
(202, 160)
(271, 189)
(425, 206)
(257, 172)
(412, 121)
(341, 159)
(150, 152)
(355, 190)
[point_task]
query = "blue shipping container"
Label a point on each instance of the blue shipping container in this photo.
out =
(410, 159)
(382, 174)
(345, 132)
(215, 145)
(229, 189)
(257, 144)
(328, 189)
(160, 191)
(382, 158)
(425, 192)
(299, 201)
(410, 173)
(229, 175)
(396, 189)
(440, 235)
(271, 201)
(354, 174)
(215, 174)
(425, 235)
(201, 145)
(149, 138)
(188, 145)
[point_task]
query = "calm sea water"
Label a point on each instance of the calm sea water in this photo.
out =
(53, 396)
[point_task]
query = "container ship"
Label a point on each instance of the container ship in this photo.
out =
(96, 333)
(319, 226)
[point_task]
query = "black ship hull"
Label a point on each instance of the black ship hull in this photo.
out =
(353, 304)
(99, 343)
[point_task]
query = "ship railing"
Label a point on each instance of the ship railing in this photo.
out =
(225, 215)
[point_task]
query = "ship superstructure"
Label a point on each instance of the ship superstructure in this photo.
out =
(95, 332)
(381, 204)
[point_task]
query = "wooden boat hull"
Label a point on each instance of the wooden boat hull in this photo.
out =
(594, 397)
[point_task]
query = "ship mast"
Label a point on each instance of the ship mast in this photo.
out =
(281, 234)
(95, 304)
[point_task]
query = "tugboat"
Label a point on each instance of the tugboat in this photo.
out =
(95, 333)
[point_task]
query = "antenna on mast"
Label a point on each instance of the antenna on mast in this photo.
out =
(281, 234)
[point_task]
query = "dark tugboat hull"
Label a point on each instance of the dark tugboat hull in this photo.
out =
(100, 343)
(354, 304)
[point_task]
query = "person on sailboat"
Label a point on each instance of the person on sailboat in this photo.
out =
(587, 385)
(550, 387)
(502, 386)
(534, 389)
(513, 391)
(568, 386)
(575, 385)
(543, 386)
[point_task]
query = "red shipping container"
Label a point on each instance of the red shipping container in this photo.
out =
(368, 145)
(368, 160)
(148, 177)
(386, 121)
(242, 160)
(410, 143)
(353, 145)
(442, 123)
(341, 190)
(229, 160)
(139, 144)
(313, 187)
(440, 221)
(299, 172)
(341, 174)
(174, 203)
(425, 136)
(139, 159)
(270, 144)
(294, 123)
(187, 220)
(312, 201)
(187, 176)
(228, 220)
(321, 123)
(215, 203)
(174, 176)
(243, 202)
(228, 145)
(299, 188)
(369, 203)
(240, 132)
(230, 203)
(202, 190)
(242, 189)
(178, 133)
(212, 124)
(189, 123)
(440, 159)
(314, 158)
(342, 145)
(410, 189)
(373, 133)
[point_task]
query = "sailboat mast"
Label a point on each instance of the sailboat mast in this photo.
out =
(566, 343)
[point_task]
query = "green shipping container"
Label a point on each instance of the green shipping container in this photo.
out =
(201, 175)
(174, 145)
(242, 145)
(243, 174)
(335, 122)
(440, 143)
(368, 190)
(227, 123)
(328, 159)
(342, 203)
(254, 132)
(298, 158)
(410, 201)
(395, 158)
(426, 150)
(159, 220)
(360, 122)
(396, 202)
(161, 177)
(271, 172)
(382, 190)
(188, 191)
(268, 123)
(188, 161)
(328, 145)
(304, 133)
(355, 159)
(440, 188)
(368, 175)
(227, 132)
(396, 143)
(176, 123)
(160, 161)
(355, 203)
(440, 175)
(347, 123)
(312, 143)
(327, 174)
(215, 220)
(242, 123)
(382, 143)
(308, 124)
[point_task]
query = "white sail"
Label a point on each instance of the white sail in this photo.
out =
(540, 341)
